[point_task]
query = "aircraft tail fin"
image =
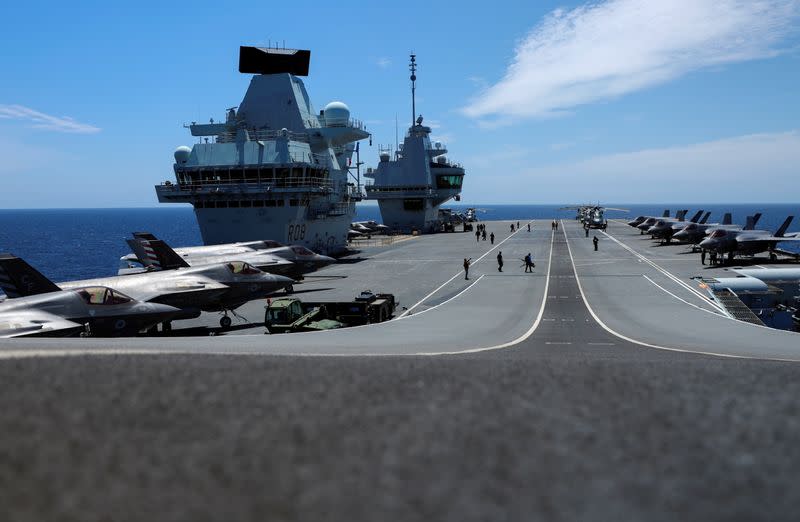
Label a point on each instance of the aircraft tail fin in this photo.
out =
(19, 279)
(666, 213)
(705, 218)
(681, 214)
(752, 221)
(727, 219)
(696, 216)
(144, 235)
(159, 255)
(146, 256)
(782, 229)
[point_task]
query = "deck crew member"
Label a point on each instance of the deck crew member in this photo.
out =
(466, 267)
(529, 263)
(491, 237)
(500, 260)
(595, 241)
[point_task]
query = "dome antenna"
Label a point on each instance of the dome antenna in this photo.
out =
(413, 68)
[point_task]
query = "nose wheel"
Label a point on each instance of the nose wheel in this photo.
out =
(225, 321)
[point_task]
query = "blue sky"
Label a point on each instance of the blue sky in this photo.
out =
(624, 100)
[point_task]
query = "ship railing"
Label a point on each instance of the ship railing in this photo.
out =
(352, 123)
(250, 185)
(263, 135)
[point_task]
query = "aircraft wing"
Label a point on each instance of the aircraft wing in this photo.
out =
(779, 238)
(35, 322)
(183, 290)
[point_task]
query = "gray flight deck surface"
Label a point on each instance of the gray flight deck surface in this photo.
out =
(572, 422)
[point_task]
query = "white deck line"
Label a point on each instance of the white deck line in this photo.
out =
(648, 345)
(664, 271)
(408, 311)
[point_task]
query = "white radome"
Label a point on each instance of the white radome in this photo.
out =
(336, 114)
(182, 154)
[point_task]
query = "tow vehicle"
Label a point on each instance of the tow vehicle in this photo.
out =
(289, 314)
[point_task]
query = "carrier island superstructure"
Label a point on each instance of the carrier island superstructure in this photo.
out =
(411, 187)
(274, 169)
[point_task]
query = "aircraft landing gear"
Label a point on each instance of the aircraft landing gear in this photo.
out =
(225, 321)
(773, 256)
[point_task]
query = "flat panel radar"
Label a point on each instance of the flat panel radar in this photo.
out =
(261, 60)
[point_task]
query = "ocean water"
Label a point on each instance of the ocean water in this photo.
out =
(67, 244)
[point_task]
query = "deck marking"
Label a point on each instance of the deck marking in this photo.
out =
(684, 300)
(648, 345)
(438, 305)
(530, 331)
(664, 271)
(456, 275)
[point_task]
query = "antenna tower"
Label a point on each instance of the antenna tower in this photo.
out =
(413, 68)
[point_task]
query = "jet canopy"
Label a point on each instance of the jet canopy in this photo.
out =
(242, 268)
(302, 251)
(101, 295)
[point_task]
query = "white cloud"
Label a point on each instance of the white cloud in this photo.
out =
(383, 62)
(752, 168)
(603, 50)
(40, 120)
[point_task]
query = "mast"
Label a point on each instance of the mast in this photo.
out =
(413, 68)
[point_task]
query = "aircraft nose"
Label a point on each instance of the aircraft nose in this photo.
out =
(279, 280)
(642, 226)
(325, 260)
(161, 309)
(680, 236)
(707, 244)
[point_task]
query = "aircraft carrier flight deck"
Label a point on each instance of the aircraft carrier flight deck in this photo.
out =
(604, 385)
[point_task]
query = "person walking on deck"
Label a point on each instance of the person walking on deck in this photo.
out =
(529, 227)
(499, 261)
(466, 267)
(478, 234)
(483, 234)
(529, 263)
(595, 241)
(491, 237)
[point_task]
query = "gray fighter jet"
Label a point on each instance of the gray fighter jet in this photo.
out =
(369, 227)
(645, 225)
(638, 220)
(47, 310)
(292, 261)
(748, 242)
(665, 227)
(219, 287)
(694, 233)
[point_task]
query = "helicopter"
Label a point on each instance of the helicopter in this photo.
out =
(592, 216)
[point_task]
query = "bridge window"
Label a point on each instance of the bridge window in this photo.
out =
(413, 204)
(447, 182)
